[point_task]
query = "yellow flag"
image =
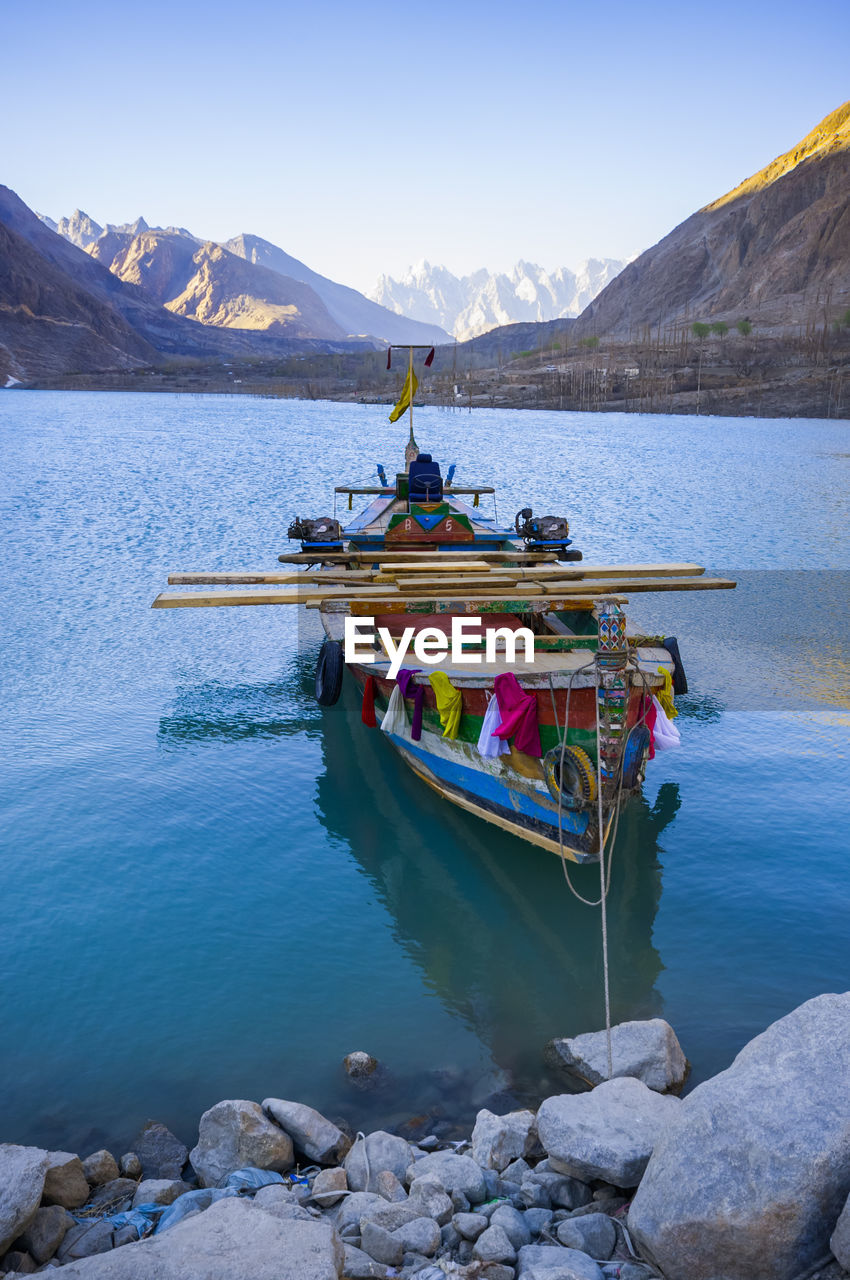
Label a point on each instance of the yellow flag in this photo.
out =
(406, 396)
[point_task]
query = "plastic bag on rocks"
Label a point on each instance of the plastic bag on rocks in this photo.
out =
(250, 1179)
(191, 1201)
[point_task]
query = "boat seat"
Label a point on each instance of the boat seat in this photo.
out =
(425, 479)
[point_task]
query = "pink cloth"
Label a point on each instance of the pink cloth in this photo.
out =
(519, 714)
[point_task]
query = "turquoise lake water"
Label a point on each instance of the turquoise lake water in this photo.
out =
(210, 887)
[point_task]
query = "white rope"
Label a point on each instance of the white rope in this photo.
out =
(603, 888)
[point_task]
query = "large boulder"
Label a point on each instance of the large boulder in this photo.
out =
(65, 1183)
(85, 1240)
(607, 1134)
(159, 1153)
(101, 1166)
(749, 1180)
(234, 1134)
(839, 1241)
(648, 1050)
(22, 1171)
(232, 1240)
(319, 1139)
(454, 1173)
(498, 1140)
(377, 1152)
(46, 1232)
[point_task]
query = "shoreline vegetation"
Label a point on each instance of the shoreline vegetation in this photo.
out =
(745, 1178)
(696, 368)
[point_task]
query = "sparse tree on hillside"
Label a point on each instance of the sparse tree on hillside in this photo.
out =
(720, 327)
(744, 328)
(700, 330)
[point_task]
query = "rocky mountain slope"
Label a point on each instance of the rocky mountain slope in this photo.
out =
(473, 304)
(349, 308)
(206, 283)
(775, 250)
(62, 311)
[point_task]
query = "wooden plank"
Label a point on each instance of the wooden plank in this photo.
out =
(379, 554)
(293, 578)
(601, 586)
(433, 566)
(390, 572)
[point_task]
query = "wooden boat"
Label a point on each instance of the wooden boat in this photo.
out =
(421, 553)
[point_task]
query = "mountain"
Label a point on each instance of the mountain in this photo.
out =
(775, 250)
(205, 282)
(473, 304)
(356, 313)
(62, 311)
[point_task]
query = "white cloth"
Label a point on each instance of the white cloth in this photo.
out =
(488, 743)
(665, 733)
(395, 716)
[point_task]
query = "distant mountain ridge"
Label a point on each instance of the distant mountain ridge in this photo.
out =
(246, 283)
(774, 250)
(471, 305)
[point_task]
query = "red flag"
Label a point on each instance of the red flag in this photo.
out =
(367, 711)
(389, 357)
(429, 358)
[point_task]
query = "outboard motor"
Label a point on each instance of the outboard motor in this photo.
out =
(324, 534)
(545, 533)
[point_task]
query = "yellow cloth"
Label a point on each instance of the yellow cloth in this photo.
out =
(665, 695)
(406, 396)
(449, 703)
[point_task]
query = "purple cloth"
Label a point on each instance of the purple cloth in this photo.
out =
(417, 693)
(519, 714)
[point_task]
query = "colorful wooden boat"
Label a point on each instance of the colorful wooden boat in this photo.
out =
(423, 552)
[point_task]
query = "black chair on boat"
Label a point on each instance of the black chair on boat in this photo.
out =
(425, 479)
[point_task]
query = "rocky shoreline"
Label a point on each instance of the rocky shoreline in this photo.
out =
(745, 1178)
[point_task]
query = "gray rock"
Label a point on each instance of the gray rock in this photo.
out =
(234, 1134)
(648, 1051)
(361, 1068)
(422, 1236)
(353, 1207)
(124, 1235)
(494, 1245)
(548, 1262)
(381, 1244)
(329, 1187)
(594, 1234)
(280, 1201)
(454, 1172)
(839, 1241)
(564, 1192)
(85, 1240)
(319, 1139)
(460, 1203)
(159, 1191)
(430, 1199)
(19, 1263)
(469, 1225)
(537, 1219)
(750, 1179)
(638, 1271)
(112, 1196)
(391, 1216)
(534, 1194)
(22, 1171)
(607, 1134)
(380, 1151)
(497, 1140)
(160, 1154)
(513, 1224)
(100, 1167)
(46, 1232)
(359, 1266)
(516, 1171)
(232, 1240)
(387, 1185)
(64, 1182)
(130, 1166)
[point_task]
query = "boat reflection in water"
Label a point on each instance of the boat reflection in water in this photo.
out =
(488, 918)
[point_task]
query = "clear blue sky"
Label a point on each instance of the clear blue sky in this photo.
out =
(361, 137)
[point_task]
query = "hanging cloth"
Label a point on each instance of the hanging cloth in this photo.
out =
(449, 703)
(519, 714)
(665, 733)
(404, 681)
(395, 716)
(488, 743)
(665, 694)
(367, 711)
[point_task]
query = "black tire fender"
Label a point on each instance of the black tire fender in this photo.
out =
(634, 755)
(577, 783)
(329, 673)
